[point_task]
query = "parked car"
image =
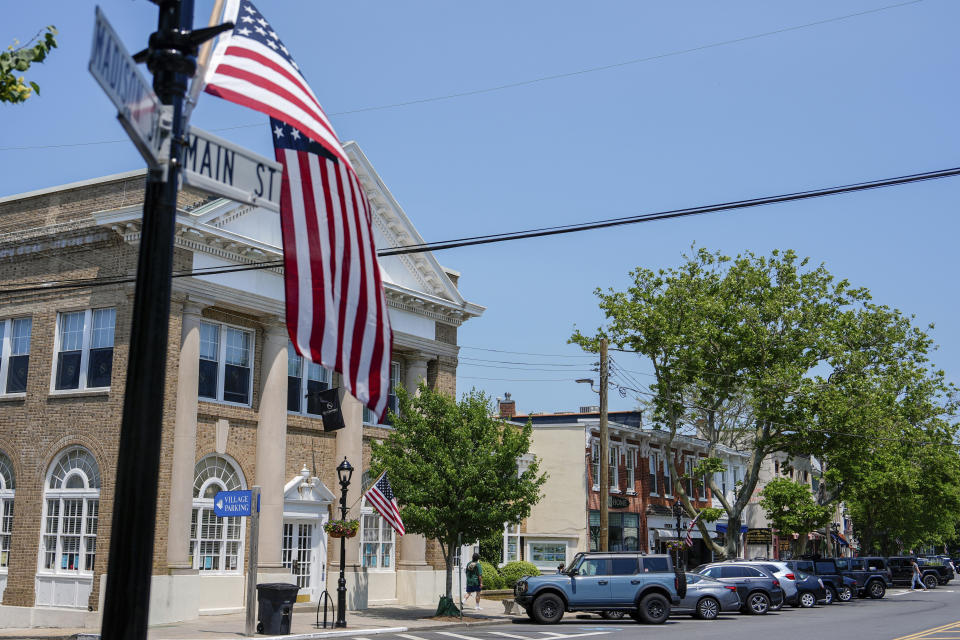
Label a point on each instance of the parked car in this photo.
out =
(901, 572)
(707, 598)
(783, 573)
(839, 588)
(810, 590)
(644, 585)
(871, 573)
(944, 572)
(757, 588)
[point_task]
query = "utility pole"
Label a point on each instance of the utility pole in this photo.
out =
(171, 57)
(604, 451)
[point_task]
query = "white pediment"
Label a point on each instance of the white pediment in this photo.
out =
(312, 491)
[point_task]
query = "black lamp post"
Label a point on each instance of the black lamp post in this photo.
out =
(834, 542)
(678, 513)
(344, 473)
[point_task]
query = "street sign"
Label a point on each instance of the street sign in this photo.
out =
(138, 107)
(222, 168)
(232, 503)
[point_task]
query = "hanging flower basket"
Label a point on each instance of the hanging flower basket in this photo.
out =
(342, 528)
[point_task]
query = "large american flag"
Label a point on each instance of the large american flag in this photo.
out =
(380, 495)
(336, 311)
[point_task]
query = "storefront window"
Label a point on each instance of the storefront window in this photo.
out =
(624, 531)
(548, 554)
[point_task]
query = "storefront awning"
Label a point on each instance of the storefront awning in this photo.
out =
(839, 539)
(722, 528)
(671, 534)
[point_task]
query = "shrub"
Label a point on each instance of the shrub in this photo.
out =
(491, 577)
(513, 571)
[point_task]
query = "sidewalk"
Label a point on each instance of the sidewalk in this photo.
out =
(374, 620)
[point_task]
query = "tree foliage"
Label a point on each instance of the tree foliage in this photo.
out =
(791, 508)
(766, 354)
(18, 58)
(454, 468)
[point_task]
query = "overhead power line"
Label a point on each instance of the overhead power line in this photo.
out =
(529, 81)
(543, 231)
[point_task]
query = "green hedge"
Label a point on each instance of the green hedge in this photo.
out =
(513, 571)
(491, 577)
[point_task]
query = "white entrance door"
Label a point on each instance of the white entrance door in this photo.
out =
(305, 556)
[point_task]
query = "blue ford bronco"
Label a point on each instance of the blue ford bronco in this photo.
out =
(643, 585)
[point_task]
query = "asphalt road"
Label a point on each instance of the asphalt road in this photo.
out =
(901, 615)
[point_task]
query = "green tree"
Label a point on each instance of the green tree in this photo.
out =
(791, 508)
(455, 469)
(18, 58)
(766, 354)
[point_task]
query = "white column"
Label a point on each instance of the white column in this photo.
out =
(416, 371)
(184, 441)
(272, 445)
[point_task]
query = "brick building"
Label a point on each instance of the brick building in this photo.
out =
(235, 414)
(641, 487)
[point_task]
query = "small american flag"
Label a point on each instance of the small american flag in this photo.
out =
(336, 311)
(380, 495)
(689, 539)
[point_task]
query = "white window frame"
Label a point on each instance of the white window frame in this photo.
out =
(6, 352)
(368, 512)
(511, 531)
(654, 472)
(667, 479)
(200, 505)
(89, 497)
(613, 472)
(305, 365)
(631, 464)
(546, 564)
(595, 464)
(8, 485)
(688, 471)
(222, 363)
(84, 350)
(395, 371)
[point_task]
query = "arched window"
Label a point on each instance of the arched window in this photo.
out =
(71, 513)
(216, 544)
(7, 486)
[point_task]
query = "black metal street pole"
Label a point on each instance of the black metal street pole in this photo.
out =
(342, 580)
(678, 511)
(127, 597)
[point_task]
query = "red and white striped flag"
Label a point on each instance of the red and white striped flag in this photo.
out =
(336, 310)
(380, 495)
(693, 523)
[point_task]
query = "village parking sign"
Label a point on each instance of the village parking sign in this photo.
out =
(232, 503)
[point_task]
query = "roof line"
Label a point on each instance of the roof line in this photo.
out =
(73, 185)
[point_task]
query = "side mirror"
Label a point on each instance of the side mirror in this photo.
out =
(573, 572)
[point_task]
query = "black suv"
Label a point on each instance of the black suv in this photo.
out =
(838, 586)
(901, 570)
(871, 573)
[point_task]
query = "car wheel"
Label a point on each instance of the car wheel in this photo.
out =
(845, 594)
(830, 595)
(615, 614)
(876, 589)
(807, 600)
(758, 603)
(654, 609)
(547, 608)
(930, 582)
(708, 609)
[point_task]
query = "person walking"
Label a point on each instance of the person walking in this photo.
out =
(916, 576)
(474, 574)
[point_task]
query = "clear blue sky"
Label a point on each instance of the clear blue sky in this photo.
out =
(849, 100)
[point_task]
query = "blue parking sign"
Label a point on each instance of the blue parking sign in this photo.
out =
(232, 503)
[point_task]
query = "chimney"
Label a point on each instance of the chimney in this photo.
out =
(507, 407)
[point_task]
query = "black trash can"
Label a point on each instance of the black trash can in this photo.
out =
(275, 607)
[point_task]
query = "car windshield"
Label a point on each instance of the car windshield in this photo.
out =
(575, 563)
(842, 564)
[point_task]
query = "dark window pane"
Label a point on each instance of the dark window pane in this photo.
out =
(751, 572)
(236, 384)
(68, 370)
(656, 565)
(100, 367)
(17, 374)
(732, 572)
(293, 394)
(314, 387)
(391, 406)
(624, 566)
(207, 381)
(826, 567)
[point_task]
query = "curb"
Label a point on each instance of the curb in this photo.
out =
(334, 634)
